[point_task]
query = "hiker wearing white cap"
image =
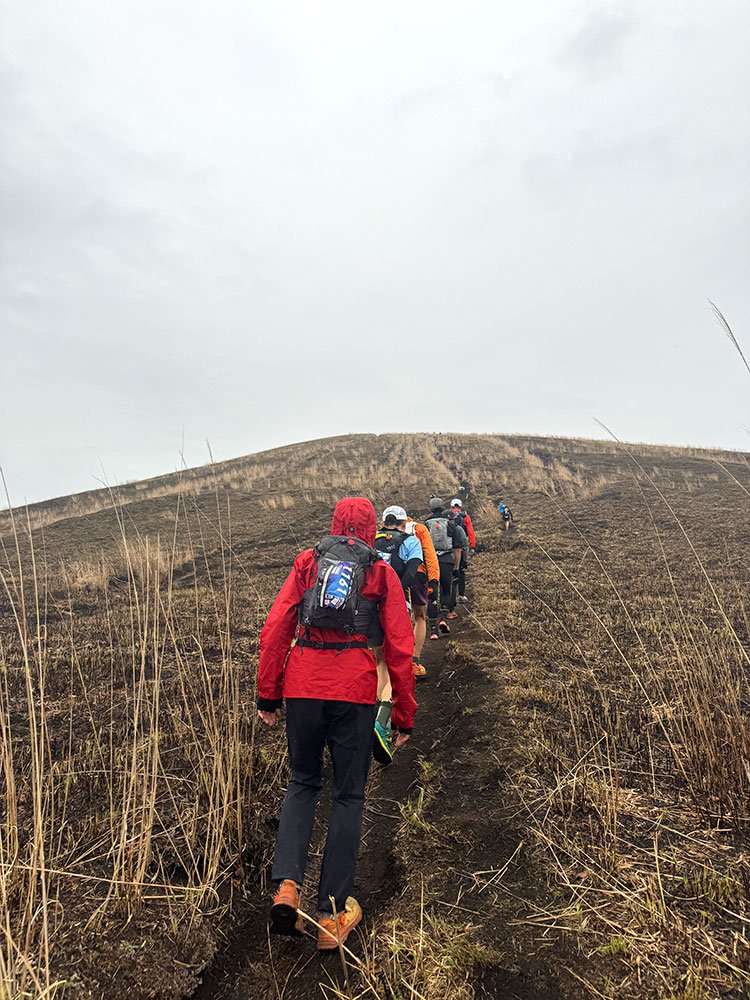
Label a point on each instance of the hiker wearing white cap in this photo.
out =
(460, 517)
(403, 550)
(449, 540)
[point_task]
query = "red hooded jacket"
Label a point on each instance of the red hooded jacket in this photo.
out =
(467, 526)
(338, 675)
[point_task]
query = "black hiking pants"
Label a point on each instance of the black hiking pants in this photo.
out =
(462, 575)
(447, 585)
(346, 728)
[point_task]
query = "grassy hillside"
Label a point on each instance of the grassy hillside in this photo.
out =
(603, 664)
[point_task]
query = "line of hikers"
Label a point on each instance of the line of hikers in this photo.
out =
(430, 560)
(348, 680)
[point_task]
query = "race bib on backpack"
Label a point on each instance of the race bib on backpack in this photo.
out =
(337, 584)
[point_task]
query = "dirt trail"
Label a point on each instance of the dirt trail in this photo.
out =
(254, 962)
(475, 818)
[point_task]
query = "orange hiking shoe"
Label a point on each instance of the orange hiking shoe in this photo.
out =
(419, 668)
(451, 615)
(444, 626)
(284, 916)
(333, 932)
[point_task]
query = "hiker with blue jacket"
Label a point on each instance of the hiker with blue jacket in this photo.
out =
(506, 515)
(402, 550)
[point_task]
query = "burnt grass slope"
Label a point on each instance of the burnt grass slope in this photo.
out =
(570, 818)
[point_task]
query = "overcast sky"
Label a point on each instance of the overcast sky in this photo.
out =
(261, 222)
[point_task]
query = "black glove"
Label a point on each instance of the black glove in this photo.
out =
(433, 589)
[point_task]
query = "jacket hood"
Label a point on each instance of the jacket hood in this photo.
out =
(355, 516)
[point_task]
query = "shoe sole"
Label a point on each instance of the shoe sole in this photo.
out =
(325, 946)
(284, 920)
(380, 751)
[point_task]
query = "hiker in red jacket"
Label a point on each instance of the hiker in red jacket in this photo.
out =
(340, 600)
(460, 516)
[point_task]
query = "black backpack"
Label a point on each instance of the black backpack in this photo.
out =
(459, 516)
(387, 542)
(334, 600)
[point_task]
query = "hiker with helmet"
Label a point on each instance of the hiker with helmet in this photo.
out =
(461, 517)
(449, 540)
(339, 600)
(403, 550)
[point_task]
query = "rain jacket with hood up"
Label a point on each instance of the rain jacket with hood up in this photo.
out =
(346, 674)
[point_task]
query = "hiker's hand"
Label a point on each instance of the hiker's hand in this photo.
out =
(270, 718)
(402, 738)
(472, 552)
(433, 588)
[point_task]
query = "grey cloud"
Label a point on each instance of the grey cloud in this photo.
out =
(596, 47)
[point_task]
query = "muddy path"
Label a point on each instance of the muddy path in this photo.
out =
(463, 859)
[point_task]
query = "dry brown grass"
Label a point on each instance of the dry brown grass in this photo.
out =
(128, 642)
(623, 629)
(124, 754)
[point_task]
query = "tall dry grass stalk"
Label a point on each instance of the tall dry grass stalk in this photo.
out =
(729, 332)
(138, 795)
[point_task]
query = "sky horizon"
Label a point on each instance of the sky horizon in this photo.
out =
(258, 224)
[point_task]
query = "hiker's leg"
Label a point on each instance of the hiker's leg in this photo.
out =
(305, 729)
(420, 627)
(462, 576)
(385, 692)
(350, 742)
(433, 613)
(419, 599)
(447, 589)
